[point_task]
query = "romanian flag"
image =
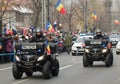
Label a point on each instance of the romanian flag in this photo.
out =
(11, 31)
(60, 7)
(94, 15)
(49, 27)
(48, 50)
(47, 47)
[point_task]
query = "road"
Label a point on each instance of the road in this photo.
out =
(71, 72)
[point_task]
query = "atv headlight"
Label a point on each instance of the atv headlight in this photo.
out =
(104, 50)
(17, 58)
(87, 50)
(40, 58)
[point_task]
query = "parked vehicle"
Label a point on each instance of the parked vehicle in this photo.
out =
(78, 46)
(114, 38)
(118, 48)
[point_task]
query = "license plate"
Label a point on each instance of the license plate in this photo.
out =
(80, 49)
(28, 47)
(114, 42)
(28, 63)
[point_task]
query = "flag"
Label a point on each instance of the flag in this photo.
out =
(60, 7)
(94, 15)
(48, 51)
(11, 31)
(49, 27)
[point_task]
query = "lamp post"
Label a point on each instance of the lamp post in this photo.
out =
(1, 19)
(85, 16)
(0, 27)
(48, 10)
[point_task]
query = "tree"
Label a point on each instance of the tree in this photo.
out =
(68, 17)
(37, 8)
(4, 5)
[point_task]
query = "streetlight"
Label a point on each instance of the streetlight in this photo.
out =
(85, 16)
(48, 10)
(1, 19)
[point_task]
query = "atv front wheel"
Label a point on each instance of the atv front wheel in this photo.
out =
(55, 70)
(47, 70)
(85, 61)
(90, 63)
(108, 61)
(16, 73)
(29, 74)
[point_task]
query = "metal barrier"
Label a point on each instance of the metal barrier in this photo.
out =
(7, 54)
(12, 59)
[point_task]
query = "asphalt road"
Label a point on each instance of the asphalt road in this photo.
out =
(71, 72)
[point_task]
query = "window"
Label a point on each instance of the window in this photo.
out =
(19, 17)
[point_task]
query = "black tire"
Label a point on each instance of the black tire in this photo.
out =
(16, 73)
(108, 61)
(73, 54)
(90, 63)
(55, 70)
(117, 52)
(68, 52)
(29, 74)
(85, 61)
(111, 59)
(47, 70)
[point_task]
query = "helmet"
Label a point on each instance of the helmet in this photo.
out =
(39, 33)
(98, 33)
(38, 30)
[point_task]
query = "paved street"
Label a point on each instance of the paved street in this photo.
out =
(71, 72)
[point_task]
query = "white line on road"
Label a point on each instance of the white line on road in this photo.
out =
(5, 68)
(78, 62)
(65, 67)
(20, 81)
(62, 68)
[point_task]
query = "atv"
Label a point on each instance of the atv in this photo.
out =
(97, 50)
(32, 57)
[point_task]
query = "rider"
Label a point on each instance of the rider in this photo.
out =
(98, 34)
(104, 39)
(39, 37)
